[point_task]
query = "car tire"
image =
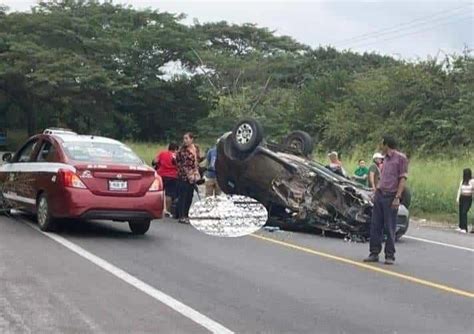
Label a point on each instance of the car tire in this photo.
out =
(399, 235)
(300, 141)
(400, 232)
(247, 135)
(46, 221)
(406, 198)
(139, 227)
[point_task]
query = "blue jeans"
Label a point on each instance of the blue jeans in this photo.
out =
(384, 217)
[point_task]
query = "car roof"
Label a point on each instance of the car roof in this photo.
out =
(73, 138)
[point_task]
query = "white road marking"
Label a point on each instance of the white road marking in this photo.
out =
(188, 312)
(439, 243)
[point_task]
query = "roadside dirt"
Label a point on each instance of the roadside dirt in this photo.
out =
(422, 222)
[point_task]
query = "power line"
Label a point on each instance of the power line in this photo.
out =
(404, 26)
(429, 25)
(460, 19)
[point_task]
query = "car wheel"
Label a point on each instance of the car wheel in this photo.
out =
(406, 198)
(247, 135)
(402, 227)
(139, 227)
(399, 235)
(300, 141)
(46, 222)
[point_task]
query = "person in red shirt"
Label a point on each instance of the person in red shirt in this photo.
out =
(166, 167)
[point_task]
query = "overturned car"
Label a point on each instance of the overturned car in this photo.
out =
(297, 191)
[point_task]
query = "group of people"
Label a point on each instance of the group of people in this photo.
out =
(367, 176)
(180, 168)
(387, 178)
(371, 176)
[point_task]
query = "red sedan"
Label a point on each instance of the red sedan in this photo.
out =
(60, 174)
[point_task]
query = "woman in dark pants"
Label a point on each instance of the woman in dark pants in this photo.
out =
(464, 198)
(187, 158)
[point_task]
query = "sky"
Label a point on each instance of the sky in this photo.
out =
(411, 30)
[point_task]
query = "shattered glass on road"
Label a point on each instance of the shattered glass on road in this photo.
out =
(228, 216)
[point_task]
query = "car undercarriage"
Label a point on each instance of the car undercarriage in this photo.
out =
(296, 190)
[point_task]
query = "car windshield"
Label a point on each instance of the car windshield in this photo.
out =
(101, 152)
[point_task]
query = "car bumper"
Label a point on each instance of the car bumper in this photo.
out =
(81, 203)
(117, 215)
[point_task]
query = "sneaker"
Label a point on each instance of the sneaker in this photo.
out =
(184, 221)
(372, 258)
(389, 260)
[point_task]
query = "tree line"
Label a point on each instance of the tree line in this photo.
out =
(104, 68)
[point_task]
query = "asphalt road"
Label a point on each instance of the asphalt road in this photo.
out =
(278, 282)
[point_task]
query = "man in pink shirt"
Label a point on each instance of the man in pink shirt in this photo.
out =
(387, 200)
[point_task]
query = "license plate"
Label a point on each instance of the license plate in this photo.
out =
(118, 185)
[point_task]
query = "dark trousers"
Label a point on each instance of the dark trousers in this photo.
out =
(383, 218)
(465, 203)
(185, 198)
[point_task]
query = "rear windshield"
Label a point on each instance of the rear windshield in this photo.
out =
(112, 153)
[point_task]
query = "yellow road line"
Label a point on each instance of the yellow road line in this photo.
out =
(369, 267)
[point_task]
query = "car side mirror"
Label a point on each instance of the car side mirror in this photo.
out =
(7, 157)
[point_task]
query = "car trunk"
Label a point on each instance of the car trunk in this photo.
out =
(116, 180)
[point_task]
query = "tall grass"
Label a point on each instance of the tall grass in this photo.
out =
(146, 151)
(433, 182)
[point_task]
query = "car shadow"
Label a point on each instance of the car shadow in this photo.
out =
(78, 228)
(95, 229)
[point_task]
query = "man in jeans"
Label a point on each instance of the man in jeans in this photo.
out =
(212, 187)
(387, 200)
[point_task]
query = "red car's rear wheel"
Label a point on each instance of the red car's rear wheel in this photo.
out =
(139, 226)
(46, 222)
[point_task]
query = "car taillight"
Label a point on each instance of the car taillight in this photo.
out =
(157, 184)
(69, 179)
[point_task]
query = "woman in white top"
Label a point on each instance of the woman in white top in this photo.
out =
(464, 198)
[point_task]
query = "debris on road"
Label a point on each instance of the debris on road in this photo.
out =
(228, 216)
(271, 228)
